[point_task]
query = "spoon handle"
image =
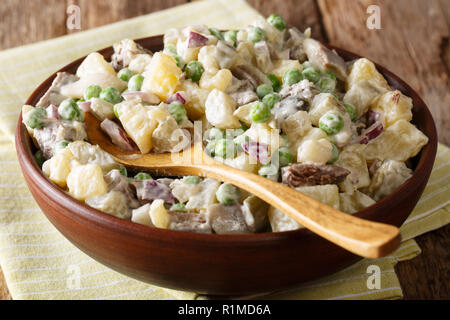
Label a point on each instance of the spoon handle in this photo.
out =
(362, 237)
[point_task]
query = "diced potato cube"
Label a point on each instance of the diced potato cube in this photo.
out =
(220, 80)
(206, 57)
(255, 213)
(76, 89)
(86, 181)
(351, 203)
(113, 203)
(279, 221)
(140, 63)
(393, 106)
(85, 153)
(364, 69)
(158, 214)
(162, 76)
(58, 167)
(352, 158)
(197, 96)
(362, 94)
(243, 113)
(245, 52)
(296, 125)
(94, 63)
(243, 162)
(263, 133)
(141, 215)
(321, 104)
(281, 66)
(400, 141)
(314, 151)
(137, 123)
(102, 109)
(206, 196)
(183, 191)
(219, 108)
(186, 53)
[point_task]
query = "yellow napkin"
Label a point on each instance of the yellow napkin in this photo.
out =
(39, 263)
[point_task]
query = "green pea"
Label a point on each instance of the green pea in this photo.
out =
(216, 134)
(260, 112)
(351, 111)
(311, 74)
(210, 148)
(231, 36)
(331, 123)
(284, 155)
(125, 74)
(216, 33)
(39, 158)
(277, 21)
(179, 61)
(135, 83)
(80, 101)
(276, 85)
(192, 179)
(170, 48)
(115, 111)
(225, 148)
(194, 70)
(111, 95)
(269, 171)
(327, 82)
(292, 76)
(263, 90)
(271, 99)
(178, 207)
(334, 154)
(228, 194)
(123, 170)
(256, 34)
(68, 110)
(143, 176)
(286, 141)
(36, 118)
(92, 91)
(307, 65)
(178, 111)
(59, 146)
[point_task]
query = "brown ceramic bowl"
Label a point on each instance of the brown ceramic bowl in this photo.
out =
(210, 263)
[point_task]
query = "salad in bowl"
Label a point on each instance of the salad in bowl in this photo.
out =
(269, 100)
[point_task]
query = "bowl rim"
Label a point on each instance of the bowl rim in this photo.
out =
(81, 211)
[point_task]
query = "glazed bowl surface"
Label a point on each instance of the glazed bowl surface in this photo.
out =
(211, 263)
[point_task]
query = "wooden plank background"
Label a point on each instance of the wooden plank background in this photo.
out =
(413, 42)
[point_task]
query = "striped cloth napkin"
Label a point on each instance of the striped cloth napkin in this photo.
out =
(39, 263)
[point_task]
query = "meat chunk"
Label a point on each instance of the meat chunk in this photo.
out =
(288, 107)
(298, 175)
(295, 43)
(225, 54)
(56, 131)
(149, 190)
(304, 90)
(189, 221)
(53, 94)
(227, 219)
(241, 91)
(252, 74)
(117, 182)
(125, 51)
(324, 59)
(263, 56)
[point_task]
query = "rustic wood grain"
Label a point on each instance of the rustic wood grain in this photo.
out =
(414, 43)
(4, 293)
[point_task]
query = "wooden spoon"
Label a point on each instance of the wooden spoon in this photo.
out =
(365, 238)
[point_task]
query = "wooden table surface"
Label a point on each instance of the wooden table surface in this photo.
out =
(413, 42)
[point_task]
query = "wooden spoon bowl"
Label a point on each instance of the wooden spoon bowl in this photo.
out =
(210, 263)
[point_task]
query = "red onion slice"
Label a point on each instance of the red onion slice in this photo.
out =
(149, 190)
(144, 96)
(52, 112)
(180, 97)
(258, 150)
(372, 117)
(116, 134)
(85, 106)
(371, 133)
(196, 40)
